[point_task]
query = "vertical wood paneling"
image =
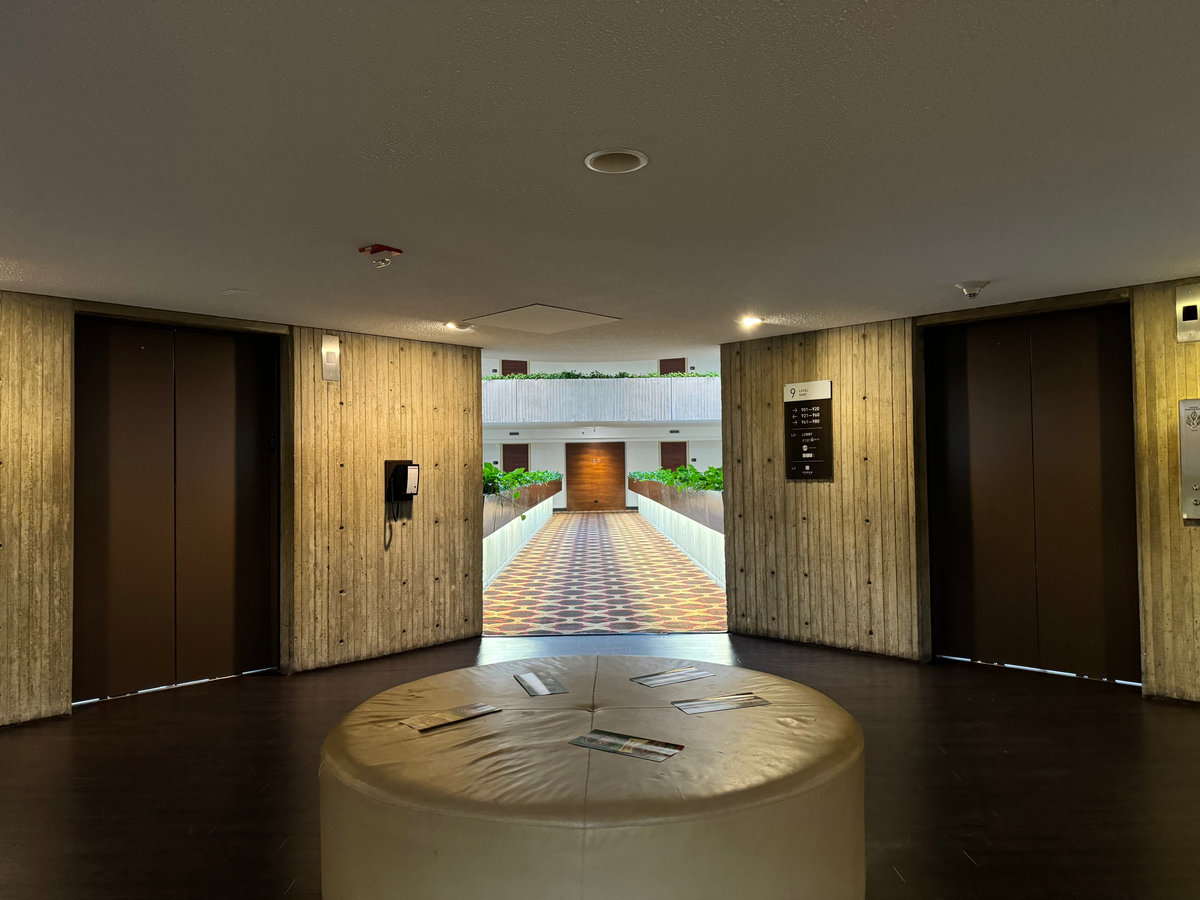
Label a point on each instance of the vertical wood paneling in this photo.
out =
(821, 563)
(350, 598)
(1165, 372)
(36, 502)
(830, 563)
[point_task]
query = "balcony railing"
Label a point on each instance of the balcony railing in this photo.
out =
(535, 401)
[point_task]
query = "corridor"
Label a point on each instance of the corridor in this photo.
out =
(601, 573)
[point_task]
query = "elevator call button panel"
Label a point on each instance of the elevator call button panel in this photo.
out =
(808, 430)
(1189, 458)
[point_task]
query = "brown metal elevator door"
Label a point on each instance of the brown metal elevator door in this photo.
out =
(1082, 380)
(176, 524)
(596, 475)
(124, 606)
(225, 425)
(1031, 504)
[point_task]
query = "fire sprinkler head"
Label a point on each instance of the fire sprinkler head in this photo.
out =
(381, 262)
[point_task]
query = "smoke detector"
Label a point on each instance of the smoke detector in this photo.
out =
(972, 288)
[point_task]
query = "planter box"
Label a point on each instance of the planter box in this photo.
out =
(498, 511)
(705, 507)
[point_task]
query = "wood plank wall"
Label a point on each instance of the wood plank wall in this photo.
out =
(825, 563)
(348, 598)
(1165, 372)
(36, 501)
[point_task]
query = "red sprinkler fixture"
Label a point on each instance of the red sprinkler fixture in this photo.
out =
(373, 249)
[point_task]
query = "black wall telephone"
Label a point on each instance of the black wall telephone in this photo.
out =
(401, 479)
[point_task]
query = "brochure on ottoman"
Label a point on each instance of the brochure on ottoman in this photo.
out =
(716, 704)
(671, 676)
(627, 745)
(449, 716)
(539, 685)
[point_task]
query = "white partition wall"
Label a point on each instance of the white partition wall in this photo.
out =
(704, 454)
(502, 546)
(704, 546)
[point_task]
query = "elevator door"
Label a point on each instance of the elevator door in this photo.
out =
(124, 607)
(176, 520)
(596, 475)
(1031, 493)
(225, 528)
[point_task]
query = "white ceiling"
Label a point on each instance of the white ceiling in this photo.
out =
(817, 163)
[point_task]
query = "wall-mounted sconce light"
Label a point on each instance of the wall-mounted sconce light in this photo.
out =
(331, 357)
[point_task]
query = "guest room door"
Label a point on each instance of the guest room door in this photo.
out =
(595, 476)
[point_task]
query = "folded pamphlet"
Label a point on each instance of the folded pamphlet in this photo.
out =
(539, 685)
(716, 704)
(627, 745)
(449, 716)
(672, 676)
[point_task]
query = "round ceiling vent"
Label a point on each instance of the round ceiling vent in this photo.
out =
(615, 162)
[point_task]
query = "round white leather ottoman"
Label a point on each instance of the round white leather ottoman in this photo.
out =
(762, 803)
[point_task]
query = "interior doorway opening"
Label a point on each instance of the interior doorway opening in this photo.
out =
(602, 555)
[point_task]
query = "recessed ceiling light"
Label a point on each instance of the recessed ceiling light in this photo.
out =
(615, 162)
(453, 326)
(751, 320)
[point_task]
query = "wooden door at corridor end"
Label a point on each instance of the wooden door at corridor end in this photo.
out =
(1032, 519)
(176, 506)
(595, 476)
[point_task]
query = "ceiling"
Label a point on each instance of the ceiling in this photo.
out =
(816, 163)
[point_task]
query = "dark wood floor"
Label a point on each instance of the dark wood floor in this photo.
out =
(981, 782)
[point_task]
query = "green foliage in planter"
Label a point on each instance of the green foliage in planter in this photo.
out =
(507, 485)
(551, 376)
(687, 476)
(510, 483)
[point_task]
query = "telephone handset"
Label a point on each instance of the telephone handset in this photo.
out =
(403, 477)
(401, 480)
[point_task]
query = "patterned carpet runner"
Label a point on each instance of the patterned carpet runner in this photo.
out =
(601, 573)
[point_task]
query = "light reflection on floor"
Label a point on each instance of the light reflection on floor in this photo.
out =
(707, 647)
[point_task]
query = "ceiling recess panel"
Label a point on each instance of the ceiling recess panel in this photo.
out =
(541, 319)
